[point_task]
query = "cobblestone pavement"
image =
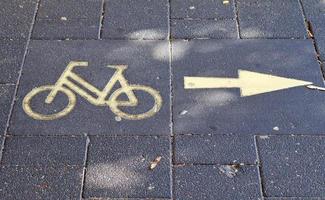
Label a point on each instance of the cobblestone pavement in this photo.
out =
(162, 99)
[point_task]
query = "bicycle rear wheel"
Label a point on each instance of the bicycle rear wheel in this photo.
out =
(114, 106)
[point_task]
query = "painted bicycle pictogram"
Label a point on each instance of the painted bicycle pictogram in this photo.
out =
(66, 85)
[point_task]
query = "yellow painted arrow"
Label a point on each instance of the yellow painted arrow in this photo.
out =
(250, 83)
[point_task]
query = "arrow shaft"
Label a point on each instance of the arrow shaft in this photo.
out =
(210, 82)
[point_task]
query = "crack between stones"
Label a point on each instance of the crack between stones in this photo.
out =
(259, 171)
(311, 35)
(37, 5)
(101, 22)
(237, 19)
(84, 171)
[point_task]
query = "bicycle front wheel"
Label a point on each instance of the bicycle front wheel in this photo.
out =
(114, 106)
(38, 116)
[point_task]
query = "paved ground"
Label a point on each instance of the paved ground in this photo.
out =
(215, 102)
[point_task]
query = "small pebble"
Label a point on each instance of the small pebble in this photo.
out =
(276, 128)
(225, 2)
(155, 162)
(230, 170)
(183, 112)
(264, 137)
(117, 118)
(151, 187)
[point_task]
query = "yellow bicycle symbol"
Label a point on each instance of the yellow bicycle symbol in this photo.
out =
(67, 87)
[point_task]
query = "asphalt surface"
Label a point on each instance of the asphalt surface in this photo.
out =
(208, 139)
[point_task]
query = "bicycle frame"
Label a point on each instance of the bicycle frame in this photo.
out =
(100, 100)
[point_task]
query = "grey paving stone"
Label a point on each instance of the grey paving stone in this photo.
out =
(16, 18)
(40, 183)
(1, 139)
(188, 29)
(118, 167)
(212, 149)
(293, 198)
(293, 166)
(207, 182)
(148, 65)
(44, 151)
(320, 42)
(271, 19)
(70, 29)
(74, 19)
(202, 9)
(6, 96)
(315, 13)
(126, 198)
(11, 56)
(141, 19)
(315, 10)
(224, 111)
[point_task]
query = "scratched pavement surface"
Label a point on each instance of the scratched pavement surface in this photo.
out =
(162, 99)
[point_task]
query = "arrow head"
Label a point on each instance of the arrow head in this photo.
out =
(253, 83)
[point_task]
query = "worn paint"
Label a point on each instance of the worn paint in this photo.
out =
(70, 89)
